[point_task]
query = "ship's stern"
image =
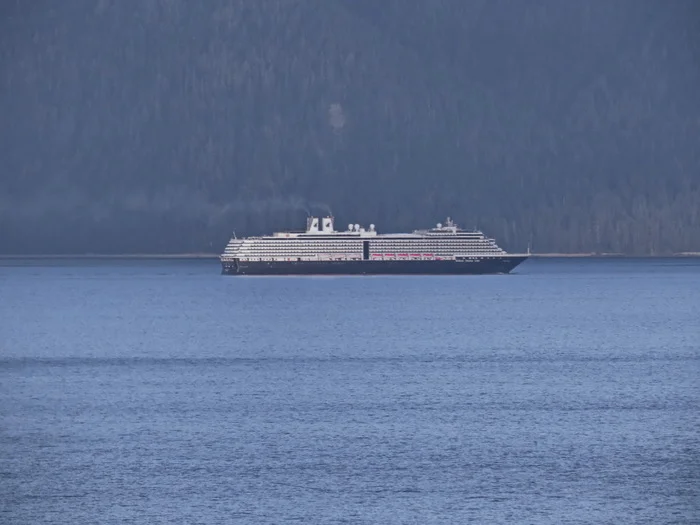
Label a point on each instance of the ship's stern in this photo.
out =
(511, 262)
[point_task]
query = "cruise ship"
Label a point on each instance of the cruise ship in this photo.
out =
(321, 250)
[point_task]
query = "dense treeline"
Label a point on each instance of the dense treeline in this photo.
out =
(161, 125)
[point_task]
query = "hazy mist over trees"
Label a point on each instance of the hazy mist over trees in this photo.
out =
(163, 125)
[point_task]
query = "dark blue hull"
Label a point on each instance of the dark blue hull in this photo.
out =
(472, 266)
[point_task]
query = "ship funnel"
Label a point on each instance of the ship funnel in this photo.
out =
(312, 225)
(328, 225)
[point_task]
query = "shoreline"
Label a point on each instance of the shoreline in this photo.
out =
(216, 256)
(113, 256)
(680, 255)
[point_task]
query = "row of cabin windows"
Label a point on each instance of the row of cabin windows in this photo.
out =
(359, 242)
(305, 247)
(301, 250)
(341, 251)
(431, 248)
(434, 249)
(375, 249)
(373, 245)
(294, 242)
(425, 243)
(433, 243)
(332, 255)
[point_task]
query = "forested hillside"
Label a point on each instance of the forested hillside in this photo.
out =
(162, 125)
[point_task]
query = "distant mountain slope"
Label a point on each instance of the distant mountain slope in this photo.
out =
(160, 125)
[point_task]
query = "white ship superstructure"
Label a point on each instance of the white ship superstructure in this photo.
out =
(321, 242)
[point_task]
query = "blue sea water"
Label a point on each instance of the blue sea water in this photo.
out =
(159, 391)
